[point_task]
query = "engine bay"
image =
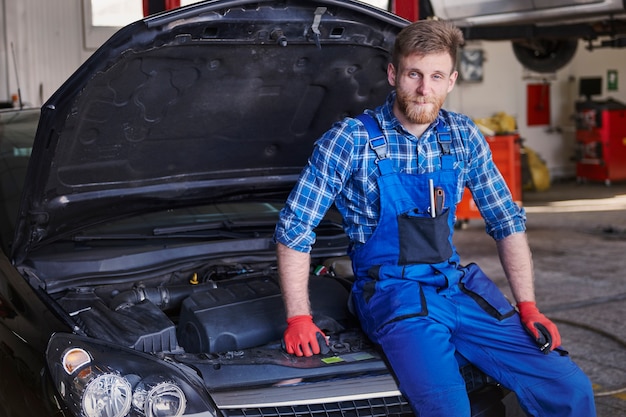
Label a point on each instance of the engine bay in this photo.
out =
(215, 309)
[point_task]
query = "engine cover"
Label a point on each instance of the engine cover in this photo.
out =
(246, 313)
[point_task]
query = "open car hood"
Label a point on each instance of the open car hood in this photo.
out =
(217, 100)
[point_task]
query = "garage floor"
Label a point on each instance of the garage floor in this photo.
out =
(577, 233)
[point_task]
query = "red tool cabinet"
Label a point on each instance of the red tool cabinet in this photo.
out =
(506, 151)
(601, 141)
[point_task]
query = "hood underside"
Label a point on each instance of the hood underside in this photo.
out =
(212, 101)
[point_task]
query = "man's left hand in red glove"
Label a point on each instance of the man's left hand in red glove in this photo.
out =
(544, 331)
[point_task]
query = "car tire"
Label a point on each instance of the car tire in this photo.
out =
(545, 55)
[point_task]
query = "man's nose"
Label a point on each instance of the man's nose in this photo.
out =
(422, 86)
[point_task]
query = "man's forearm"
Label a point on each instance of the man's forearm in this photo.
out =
(516, 260)
(293, 269)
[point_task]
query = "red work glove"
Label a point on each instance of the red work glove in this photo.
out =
(544, 332)
(301, 336)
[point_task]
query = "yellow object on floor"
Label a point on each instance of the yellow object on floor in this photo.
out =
(498, 124)
(539, 173)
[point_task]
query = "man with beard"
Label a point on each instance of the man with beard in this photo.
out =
(396, 174)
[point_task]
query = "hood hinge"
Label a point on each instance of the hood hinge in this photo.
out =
(315, 27)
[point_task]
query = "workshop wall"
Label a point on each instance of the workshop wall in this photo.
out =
(504, 89)
(43, 46)
(48, 45)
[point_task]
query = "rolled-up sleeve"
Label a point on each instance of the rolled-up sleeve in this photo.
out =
(502, 215)
(319, 183)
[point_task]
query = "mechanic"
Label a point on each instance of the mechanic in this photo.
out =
(396, 175)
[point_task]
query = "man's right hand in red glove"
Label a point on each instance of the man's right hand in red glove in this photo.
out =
(301, 336)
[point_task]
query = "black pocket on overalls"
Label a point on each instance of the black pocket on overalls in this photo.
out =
(485, 292)
(424, 239)
(391, 300)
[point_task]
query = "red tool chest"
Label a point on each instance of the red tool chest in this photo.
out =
(506, 151)
(601, 141)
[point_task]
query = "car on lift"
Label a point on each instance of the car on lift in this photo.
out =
(544, 34)
(138, 274)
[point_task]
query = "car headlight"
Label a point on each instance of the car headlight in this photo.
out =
(160, 399)
(106, 395)
(97, 379)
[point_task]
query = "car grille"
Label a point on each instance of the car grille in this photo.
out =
(395, 406)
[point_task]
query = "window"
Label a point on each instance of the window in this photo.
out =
(102, 18)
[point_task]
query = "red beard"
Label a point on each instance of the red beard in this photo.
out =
(419, 114)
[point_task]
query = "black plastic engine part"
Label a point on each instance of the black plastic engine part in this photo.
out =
(249, 312)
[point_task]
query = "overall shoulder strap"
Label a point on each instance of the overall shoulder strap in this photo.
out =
(377, 141)
(444, 138)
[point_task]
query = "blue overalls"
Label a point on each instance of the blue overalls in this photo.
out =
(428, 312)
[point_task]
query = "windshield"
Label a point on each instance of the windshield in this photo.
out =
(242, 219)
(152, 242)
(17, 132)
(200, 220)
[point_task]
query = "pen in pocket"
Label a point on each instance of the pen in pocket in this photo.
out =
(431, 193)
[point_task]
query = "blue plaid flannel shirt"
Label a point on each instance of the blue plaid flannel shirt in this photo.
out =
(342, 170)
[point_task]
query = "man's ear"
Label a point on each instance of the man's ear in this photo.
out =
(391, 74)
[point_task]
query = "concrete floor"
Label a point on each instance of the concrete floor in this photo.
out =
(577, 233)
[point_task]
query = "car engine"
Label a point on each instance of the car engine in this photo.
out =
(234, 308)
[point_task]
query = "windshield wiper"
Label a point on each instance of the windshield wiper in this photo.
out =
(223, 226)
(228, 226)
(226, 229)
(211, 230)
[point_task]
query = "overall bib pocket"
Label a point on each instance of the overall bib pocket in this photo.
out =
(485, 292)
(423, 239)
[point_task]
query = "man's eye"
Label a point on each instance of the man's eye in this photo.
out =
(414, 74)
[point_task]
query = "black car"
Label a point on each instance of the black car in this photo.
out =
(138, 274)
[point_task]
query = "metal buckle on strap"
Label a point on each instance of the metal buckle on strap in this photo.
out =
(445, 141)
(444, 137)
(379, 145)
